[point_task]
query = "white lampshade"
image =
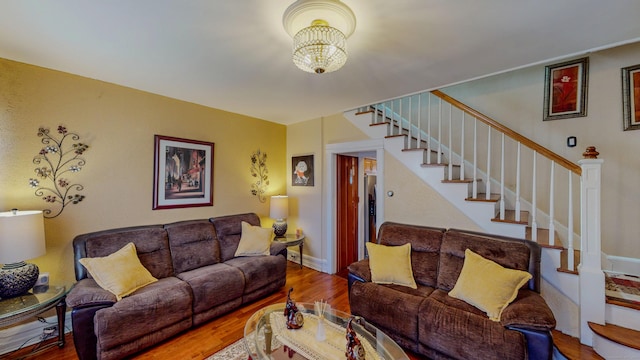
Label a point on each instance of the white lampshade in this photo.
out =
(21, 236)
(279, 207)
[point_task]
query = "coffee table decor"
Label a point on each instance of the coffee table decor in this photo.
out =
(294, 317)
(303, 340)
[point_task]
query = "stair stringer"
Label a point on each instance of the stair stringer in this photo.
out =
(480, 213)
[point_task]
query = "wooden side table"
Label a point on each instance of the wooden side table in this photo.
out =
(292, 240)
(16, 309)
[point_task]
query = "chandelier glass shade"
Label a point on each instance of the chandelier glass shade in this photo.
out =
(319, 48)
(319, 29)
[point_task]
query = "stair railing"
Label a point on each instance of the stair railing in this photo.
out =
(521, 170)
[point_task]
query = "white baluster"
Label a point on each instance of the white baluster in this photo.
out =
(474, 187)
(429, 129)
(488, 185)
(384, 118)
(462, 149)
(570, 262)
(502, 205)
(534, 206)
(518, 183)
(440, 133)
(419, 141)
(552, 228)
(450, 143)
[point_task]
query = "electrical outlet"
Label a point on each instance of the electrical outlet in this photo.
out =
(49, 330)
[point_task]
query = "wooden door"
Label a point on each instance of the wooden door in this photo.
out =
(347, 212)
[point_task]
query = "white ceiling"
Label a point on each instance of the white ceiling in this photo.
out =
(235, 55)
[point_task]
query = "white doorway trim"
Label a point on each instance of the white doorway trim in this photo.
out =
(329, 215)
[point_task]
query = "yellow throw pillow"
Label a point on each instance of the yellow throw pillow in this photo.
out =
(487, 285)
(254, 241)
(121, 272)
(391, 264)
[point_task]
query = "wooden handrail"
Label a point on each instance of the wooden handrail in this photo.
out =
(571, 166)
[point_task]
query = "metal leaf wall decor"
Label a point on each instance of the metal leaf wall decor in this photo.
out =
(260, 173)
(54, 160)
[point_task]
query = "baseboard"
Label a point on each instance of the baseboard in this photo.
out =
(20, 336)
(622, 265)
(308, 261)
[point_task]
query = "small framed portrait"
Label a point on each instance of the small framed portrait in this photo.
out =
(302, 170)
(183, 173)
(631, 97)
(565, 91)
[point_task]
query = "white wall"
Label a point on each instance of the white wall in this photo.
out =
(516, 100)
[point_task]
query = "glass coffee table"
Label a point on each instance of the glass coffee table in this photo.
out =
(33, 303)
(270, 323)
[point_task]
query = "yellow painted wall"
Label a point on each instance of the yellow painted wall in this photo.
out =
(119, 124)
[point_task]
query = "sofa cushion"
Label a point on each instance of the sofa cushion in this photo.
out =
(152, 246)
(487, 285)
(510, 254)
(120, 273)
(394, 311)
(391, 264)
(193, 244)
(461, 331)
(259, 271)
(229, 229)
(213, 285)
(254, 240)
(148, 310)
(425, 245)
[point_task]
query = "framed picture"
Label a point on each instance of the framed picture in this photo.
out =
(183, 173)
(565, 90)
(631, 97)
(302, 170)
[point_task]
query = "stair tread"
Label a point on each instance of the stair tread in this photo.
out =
(457, 181)
(621, 335)
(621, 302)
(543, 238)
(510, 217)
(483, 198)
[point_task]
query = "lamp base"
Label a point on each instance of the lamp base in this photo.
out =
(280, 228)
(16, 279)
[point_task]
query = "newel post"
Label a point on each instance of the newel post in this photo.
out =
(592, 288)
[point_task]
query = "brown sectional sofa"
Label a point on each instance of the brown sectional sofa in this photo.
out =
(198, 279)
(428, 321)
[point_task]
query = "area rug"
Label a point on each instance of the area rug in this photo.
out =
(622, 287)
(235, 351)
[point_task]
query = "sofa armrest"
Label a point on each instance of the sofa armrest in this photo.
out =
(361, 269)
(528, 311)
(358, 271)
(278, 248)
(87, 292)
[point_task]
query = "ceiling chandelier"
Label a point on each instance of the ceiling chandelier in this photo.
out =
(320, 29)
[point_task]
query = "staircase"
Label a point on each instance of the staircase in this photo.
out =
(508, 184)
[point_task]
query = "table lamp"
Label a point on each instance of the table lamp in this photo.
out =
(279, 210)
(21, 238)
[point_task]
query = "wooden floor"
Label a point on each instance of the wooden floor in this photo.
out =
(309, 285)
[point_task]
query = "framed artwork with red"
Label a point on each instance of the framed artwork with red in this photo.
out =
(565, 92)
(631, 97)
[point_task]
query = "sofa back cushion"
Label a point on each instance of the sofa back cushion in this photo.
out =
(509, 252)
(425, 248)
(193, 243)
(229, 229)
(151, 243)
